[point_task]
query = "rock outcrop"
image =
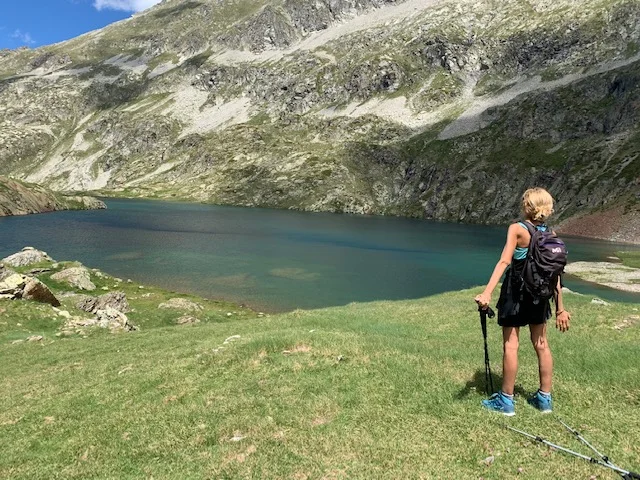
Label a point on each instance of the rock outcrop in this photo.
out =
(19, 198)
(78, 277)
(116, 300)
(109, 318)
(26, 256)
(19, 286)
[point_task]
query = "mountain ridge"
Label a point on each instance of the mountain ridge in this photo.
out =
(347, 106)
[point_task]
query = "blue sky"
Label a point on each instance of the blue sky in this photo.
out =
(33, 23)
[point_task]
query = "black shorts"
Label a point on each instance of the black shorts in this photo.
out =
(516, 307)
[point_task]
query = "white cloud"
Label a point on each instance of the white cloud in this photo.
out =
(24, 37)
(126, 5)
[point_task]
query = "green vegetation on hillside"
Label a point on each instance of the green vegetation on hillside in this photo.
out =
(380, 390)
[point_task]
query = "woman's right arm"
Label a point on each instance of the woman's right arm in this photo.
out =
(484, 299)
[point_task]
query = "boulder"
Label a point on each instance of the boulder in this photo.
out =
(5, 272)
(87, 303)
(13, 285)
(37, 291)
(116, 300)
(28, 288)
(26, 256)
(187, 320)
(113, 320)
(78, 277)
(181, 304)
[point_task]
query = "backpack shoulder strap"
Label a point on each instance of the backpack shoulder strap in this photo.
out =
(528, 226)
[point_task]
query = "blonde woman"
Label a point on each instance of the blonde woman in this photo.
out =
(517, 309)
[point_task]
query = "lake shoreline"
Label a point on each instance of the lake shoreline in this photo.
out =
(278, 260)
(593, 223)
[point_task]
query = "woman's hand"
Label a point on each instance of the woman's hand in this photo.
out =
(562, 320)
(483, 300)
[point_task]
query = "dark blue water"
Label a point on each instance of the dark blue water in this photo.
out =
(278, 260)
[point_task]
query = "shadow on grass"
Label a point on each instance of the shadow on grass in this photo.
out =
(478, 385)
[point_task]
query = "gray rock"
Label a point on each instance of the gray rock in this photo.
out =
(76, 277)
(187, 320)
(87, 303)
(181, 304)
(113, 320)
(27, 256)
(116, 300)
(19, 286)
(5, 272)
(13, 284)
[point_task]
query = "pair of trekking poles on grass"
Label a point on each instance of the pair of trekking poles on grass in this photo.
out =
(601, 459)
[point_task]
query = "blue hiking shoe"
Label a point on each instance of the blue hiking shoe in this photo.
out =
(541, 402)
(499, 402)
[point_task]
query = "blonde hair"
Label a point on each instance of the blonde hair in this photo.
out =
(537, 204)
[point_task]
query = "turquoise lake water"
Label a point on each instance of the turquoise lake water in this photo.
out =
(278, 260)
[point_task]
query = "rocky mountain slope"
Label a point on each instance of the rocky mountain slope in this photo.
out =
(18, 198)
(435, 109)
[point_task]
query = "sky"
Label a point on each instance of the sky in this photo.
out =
(33, 23)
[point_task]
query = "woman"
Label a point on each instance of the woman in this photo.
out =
(516, 309)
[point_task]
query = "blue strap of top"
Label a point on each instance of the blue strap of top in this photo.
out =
(520, 253)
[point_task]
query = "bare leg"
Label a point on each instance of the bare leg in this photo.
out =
(510, 342)
(545, 361)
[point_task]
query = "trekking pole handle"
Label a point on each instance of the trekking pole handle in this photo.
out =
(486, 310)
(631, 476)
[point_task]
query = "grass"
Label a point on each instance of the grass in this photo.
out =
(630, 259)
(378, 390)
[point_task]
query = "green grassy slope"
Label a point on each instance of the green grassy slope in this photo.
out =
(380, 390)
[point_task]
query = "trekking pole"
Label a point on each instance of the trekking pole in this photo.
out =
(604, 458)
(627, 475)
(484, 312)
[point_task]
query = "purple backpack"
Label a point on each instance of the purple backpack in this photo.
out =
(545, 262)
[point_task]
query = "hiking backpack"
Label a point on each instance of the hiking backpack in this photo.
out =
(545, 262)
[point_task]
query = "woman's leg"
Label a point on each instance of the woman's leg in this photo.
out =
(510, 342)
(545, 361)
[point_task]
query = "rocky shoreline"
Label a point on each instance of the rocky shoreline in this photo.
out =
(608, 274)
(78, 300)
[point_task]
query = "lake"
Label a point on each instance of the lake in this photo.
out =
(279, 260)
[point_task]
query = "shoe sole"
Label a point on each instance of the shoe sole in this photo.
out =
(506, 414)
